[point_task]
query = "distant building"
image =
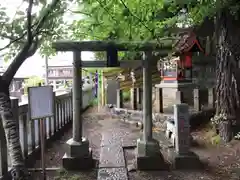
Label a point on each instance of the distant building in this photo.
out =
(59, 72)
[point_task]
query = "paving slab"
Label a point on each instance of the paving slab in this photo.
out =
(121, 137)
(111, 137)
(111, 156)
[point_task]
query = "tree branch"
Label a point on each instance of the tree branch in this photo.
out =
(33, 48)
(106, 10)
(12, 40)
(15, 39)
(78, 12)
(124, 4)
(29, 22)
(47, 11)
(29, 47)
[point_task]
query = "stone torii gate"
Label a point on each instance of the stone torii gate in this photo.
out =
(78, 155)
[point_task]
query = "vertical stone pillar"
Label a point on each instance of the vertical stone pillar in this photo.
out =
(119, 98)
(159, 100)
(133, 98)
(179, 97)
(211, 97)
(196, 100)
(149, 156)
(185, 159)
(77, 151)
(77, 97)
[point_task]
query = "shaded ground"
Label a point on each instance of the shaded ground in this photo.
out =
(94, 124)
(92, 130)
(222, 159)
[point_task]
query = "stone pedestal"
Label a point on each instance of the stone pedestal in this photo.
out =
(170, 95)
(149, 156)
(189, 160)
(78, 155)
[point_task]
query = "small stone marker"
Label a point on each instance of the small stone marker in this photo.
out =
(185, 159)
(181, 121)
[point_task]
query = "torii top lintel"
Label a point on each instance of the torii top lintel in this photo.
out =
(117, 45)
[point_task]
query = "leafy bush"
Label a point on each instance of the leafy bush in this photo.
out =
(126, 95)
(32, 81)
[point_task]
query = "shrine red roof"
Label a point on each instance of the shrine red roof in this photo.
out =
(187, 41)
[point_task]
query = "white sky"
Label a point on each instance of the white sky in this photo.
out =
(34, 65)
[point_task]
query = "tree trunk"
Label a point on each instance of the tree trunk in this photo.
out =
(227, 85)
(10, 126)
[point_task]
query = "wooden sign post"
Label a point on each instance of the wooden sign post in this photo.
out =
(40, 104)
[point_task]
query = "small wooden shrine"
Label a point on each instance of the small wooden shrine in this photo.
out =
(179, 68)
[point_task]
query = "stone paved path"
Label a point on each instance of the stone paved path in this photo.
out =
(115, 138)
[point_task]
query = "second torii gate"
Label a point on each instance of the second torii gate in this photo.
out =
(78, 155)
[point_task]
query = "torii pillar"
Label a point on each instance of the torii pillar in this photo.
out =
(78, 154)
(148, 154)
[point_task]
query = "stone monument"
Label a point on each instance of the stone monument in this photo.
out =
(184, 159)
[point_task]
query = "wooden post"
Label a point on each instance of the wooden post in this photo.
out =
(38, 123)
(33, 136)
(133, 98)
(159, 100)
(55, 114)
(139, 98)
(61, 113)
(64, 111)
(42, 130)
(58, 115)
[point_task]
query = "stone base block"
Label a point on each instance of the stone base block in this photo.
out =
(77, 149)
(149, 156)
(187, 161)
(78, 163)
(149, 163)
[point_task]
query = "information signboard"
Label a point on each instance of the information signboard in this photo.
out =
(40, 101)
